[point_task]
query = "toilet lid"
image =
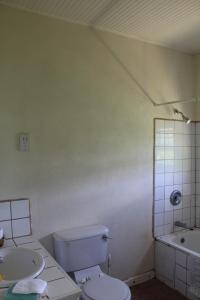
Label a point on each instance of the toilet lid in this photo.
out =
(106, 288)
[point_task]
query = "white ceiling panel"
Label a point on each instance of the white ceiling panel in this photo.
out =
(171, 23)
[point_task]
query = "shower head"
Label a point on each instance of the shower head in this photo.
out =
(184, 118)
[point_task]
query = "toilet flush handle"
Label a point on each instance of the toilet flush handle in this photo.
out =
(105, 237)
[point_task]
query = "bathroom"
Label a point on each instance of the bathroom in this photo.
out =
(90, 103)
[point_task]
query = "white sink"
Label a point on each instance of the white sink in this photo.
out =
(19, 263)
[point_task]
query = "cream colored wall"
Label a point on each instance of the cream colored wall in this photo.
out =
(91, 128)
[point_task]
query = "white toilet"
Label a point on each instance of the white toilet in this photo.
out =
(81, 250)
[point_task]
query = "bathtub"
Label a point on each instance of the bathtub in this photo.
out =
(177, 261)
(184, 240)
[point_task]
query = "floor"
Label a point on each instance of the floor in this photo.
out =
(155, 290)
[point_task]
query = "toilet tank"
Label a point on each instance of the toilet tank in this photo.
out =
(81, 248)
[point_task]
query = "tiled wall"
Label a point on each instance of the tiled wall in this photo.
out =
(175, 268)
(174, 169)
(15, 218)
(198, 174)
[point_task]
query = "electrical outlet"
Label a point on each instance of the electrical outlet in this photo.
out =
(24, 142)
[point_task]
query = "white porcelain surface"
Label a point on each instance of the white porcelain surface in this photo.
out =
(19, 263)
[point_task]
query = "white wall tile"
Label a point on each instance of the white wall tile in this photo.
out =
(49, 262)
(163, 255)
(198, 188)
(192, 212)
(20, 209)
(187, 152)
(194, 152)
(169, 126)
(186, 201)
(178, 140)
(197, 200)
(169, 166)
(21, 227)
(186, 213)
(159, 153)
(168, 190)
(178, 178)
(198, 140)
(180, 287)
(181, 258)
(193, 140)
(168, 206)
(178, 165)
(160, 140)
(169, 178)
(198, 164)
(178, 216)
(197, 152)
(158, 231)
(169, 153)
(193, 188)
(60, 287)
(197, 176)
(159, 206)
(159, 219)
(187, 189)
(198, 128)
(6, 225)
(181, 273)
(187, 128)
(159, 180)
(187, 177)
(187, 165)
(159, 193)
(178, 187)
(187, 140)
(193, 198)
(168, 228)
(178, 152)
(198, 211)
(5, 211)
(178, 127)
(168, 140)
(159, 166)
(168, 217)
(190, 128)
(51, 274)
(160, 126)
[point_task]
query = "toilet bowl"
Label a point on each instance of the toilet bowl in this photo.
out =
(105, 288)
(96, 285)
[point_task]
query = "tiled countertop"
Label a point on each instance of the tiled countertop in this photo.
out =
(60, 285)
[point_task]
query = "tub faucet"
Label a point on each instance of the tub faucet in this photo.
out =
(182, 225)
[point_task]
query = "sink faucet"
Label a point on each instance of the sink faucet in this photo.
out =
(182, 225)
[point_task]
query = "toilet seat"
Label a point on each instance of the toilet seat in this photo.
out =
(105, 288)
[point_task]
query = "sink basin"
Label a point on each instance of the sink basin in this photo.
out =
(18, 264)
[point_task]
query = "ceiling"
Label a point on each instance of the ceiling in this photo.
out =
(170, 23)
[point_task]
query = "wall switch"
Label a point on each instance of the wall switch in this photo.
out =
(24, 142)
